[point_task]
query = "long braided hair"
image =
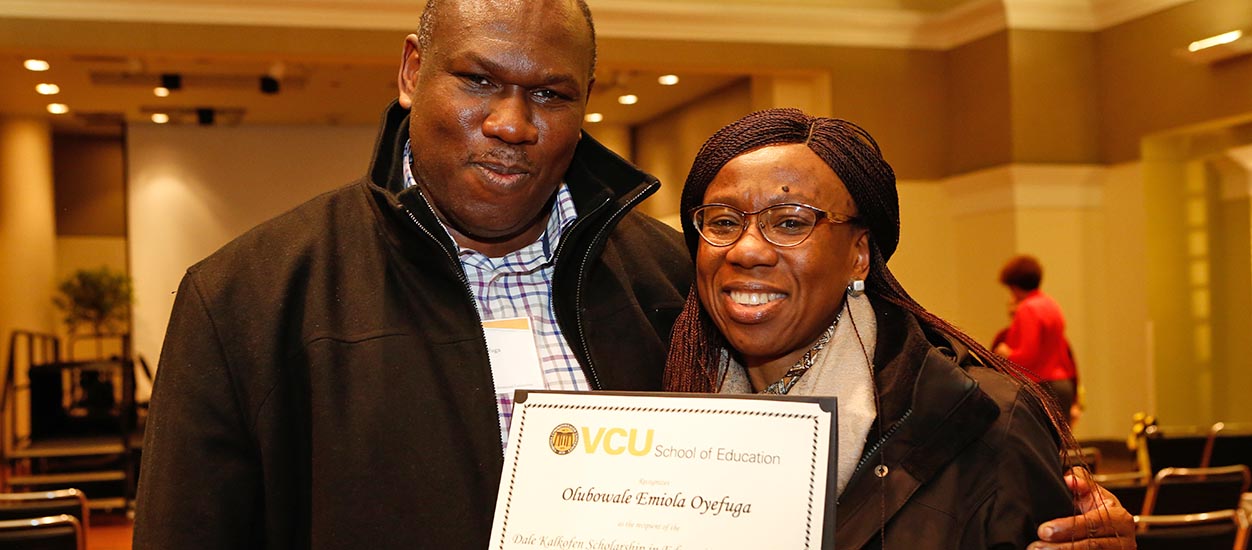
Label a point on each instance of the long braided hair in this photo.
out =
(695, 357)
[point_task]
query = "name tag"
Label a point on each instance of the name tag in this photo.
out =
(514, 357)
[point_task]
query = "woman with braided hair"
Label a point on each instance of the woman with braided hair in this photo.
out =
(942, 444)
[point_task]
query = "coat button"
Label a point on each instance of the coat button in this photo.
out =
(881, 470)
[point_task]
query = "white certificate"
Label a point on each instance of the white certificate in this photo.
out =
(641, 471)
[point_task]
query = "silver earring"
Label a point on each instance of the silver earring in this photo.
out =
(856, 287)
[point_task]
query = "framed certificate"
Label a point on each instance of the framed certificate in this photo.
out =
(667, 471)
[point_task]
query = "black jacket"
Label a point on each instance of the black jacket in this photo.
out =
(971, 459)
(324, 381)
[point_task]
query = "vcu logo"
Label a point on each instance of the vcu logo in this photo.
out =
(563, 439)
(613, 441)
(610, 440)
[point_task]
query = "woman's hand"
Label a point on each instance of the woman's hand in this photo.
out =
(1103, 523)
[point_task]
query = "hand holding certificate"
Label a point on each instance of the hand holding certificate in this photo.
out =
(662, 471)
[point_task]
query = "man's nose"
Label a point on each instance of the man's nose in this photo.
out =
(510, 119)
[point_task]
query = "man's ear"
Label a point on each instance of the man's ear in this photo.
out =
(410, 62)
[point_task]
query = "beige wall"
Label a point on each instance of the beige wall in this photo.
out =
(666, 145)
(925, 262)
(977, 131)
(616, 137)
(1117, 368)
(986, 233)
(807, 92)
(192, 189)
(1053, 90)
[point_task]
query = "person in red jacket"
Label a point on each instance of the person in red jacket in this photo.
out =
(1036, 338)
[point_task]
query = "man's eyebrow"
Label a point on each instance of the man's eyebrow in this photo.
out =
(496, 68)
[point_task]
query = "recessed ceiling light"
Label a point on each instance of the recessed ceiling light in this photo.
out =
(58, 108)
(628, 99)
(594, 117)
(47, 89)
(37, 65)
(160, 118)
(161, 91)
(1224, 38)
(667, 79)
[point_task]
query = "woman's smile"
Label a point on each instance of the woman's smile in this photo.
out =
(751, 304)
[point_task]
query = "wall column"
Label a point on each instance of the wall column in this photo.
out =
(1232, 284)
(27, 233)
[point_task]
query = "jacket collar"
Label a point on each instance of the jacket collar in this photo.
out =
(597, 176)
(947, 411)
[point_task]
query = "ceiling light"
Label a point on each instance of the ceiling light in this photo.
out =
(160, 118)
(667, 79)
(161, 91)
(628, 99)
(594, 117)
(172, 81)
(1216, 49)
(37, 65)
(58, 108)
(47, 89)
(1224, 38)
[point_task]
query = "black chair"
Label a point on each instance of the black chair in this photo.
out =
(1130, 493)
(60, 532)
(1176, 449)
(1219, 530)
(1228, 446)
(1195, 490)
(19, 510)
(1130, 488)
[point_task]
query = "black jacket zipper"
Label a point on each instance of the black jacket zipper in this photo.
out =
(878, 445)
(593, 378)
(469, 293)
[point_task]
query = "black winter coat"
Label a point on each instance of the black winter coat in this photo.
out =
(324, 381)
(970, 459)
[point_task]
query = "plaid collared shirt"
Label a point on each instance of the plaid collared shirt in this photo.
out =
(519, 284)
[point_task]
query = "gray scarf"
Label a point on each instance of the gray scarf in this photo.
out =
(838, 370)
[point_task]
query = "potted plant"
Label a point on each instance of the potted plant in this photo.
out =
(98, 299)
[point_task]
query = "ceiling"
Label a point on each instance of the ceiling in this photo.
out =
(336, 59)
(103, 90)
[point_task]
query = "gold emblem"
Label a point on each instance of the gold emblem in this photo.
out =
(563, 439)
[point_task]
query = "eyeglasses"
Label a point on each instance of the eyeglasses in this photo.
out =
(783, 225)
